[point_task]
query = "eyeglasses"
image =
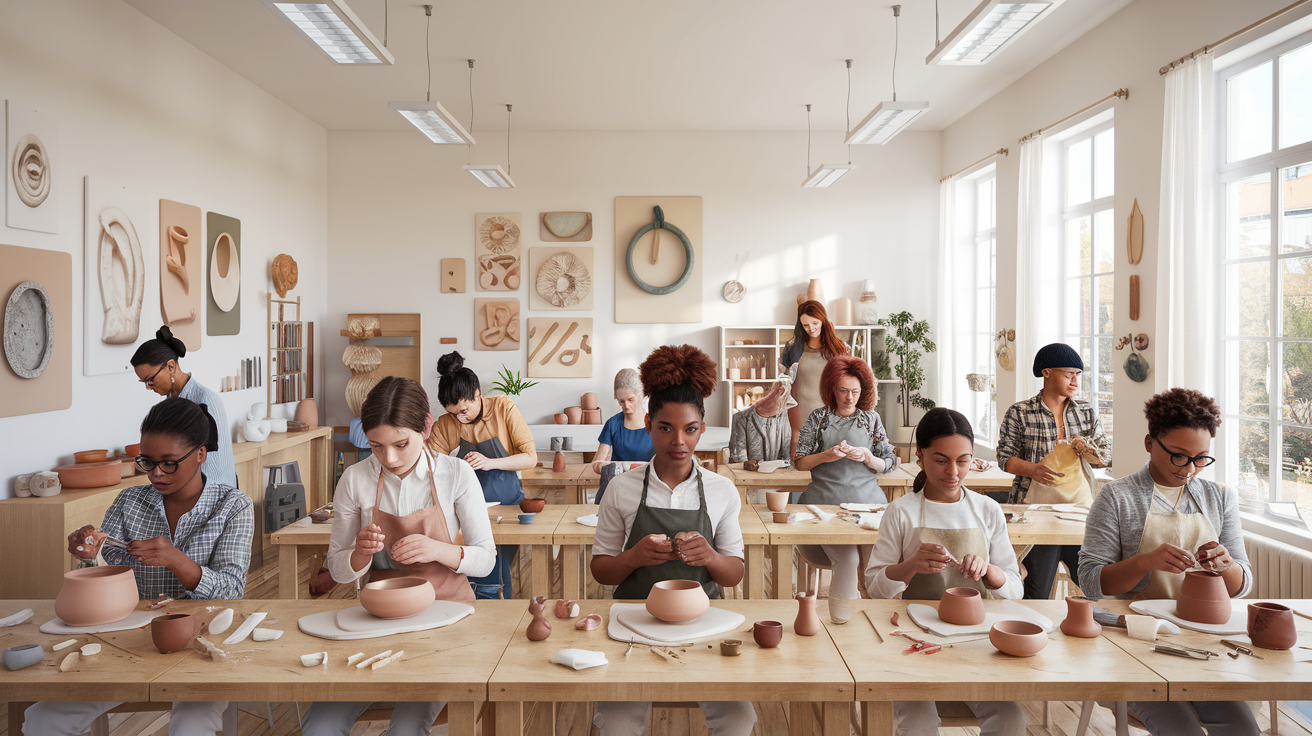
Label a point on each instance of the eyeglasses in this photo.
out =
(166, 466)
(151, 380)
(1180, 460)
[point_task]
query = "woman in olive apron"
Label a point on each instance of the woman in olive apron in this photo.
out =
(1147, 529)
(671, 520)
(943, 535)
(396, 515)
(844, 446)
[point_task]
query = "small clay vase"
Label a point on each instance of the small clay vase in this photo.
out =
(558, 463)
(1271, 626)
(307, 411)
(776, 500)
(1203, 598)
(173, 632)
(815, 291)
(91, 596)
(676, 601)
(26, 655)
(767, 634)
(574, 414)
(562, 418)
(532, 505)
(539, 628)
(961, 606)
(588, 401)
(807, 622)
(1018, 638)
(1079, 619)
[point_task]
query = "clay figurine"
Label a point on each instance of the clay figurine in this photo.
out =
(591, 622)
(539, 628)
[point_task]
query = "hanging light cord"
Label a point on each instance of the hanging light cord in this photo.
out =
(428, 48)
(849, 109)
(386, 20)
(938, 39)
(808, 140)
(507, 139)
(897, 13)
(469, 150)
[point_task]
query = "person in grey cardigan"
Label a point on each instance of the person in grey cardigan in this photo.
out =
(1146, 529)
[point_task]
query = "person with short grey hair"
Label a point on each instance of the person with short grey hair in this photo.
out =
(624, 437)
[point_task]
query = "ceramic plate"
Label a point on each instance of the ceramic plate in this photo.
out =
(589, 520)
(631, 621)
(135, 620)
(324, 625)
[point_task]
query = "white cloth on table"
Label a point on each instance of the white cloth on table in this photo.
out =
(579, 659)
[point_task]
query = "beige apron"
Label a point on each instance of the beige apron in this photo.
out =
(448, 584)
(1186, 531)
(1076, 486)
(958, 542)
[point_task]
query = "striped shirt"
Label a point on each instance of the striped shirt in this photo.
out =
(219, 466)
(1029, 432)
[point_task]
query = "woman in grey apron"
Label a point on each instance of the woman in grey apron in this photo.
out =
(844, 446)
(646, 511)
(940, 536)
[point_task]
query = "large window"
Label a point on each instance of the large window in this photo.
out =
(1265, 161)
(983, 397)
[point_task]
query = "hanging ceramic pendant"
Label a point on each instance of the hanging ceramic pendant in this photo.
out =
(733, 291)
(1136, 368)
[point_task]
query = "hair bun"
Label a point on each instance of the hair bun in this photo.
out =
(673, 365)
(165, 335)
(449, 364)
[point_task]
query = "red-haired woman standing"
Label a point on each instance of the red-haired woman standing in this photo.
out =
(814, 343)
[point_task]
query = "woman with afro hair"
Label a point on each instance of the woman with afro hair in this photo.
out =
(671, 520)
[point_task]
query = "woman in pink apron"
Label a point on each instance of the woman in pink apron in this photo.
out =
(395, 515)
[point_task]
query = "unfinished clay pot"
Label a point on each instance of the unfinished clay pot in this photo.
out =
(767, 634)
(589, 401)
(532, 505)
(731, 647)
(1018, 638)
(397, 597)
(1271, 626)
(592, 416)
(776, 500)
(539, 628)
(558, 463)
(961, 606)
(173, 632)
(1203, 598)
(1079, 619)
(574, 414)
(90, 475)
(562, 418)
(807, 622)
(91, 456)
(92, 596)
(676, 601)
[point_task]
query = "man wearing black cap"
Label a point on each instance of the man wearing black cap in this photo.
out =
(1030, 431)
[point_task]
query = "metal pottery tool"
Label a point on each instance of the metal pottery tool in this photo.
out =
(1180, 650)
(1242, 649)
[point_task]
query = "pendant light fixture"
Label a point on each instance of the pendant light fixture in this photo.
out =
(889, 117)
(335, 30)
(491, 174)
(825, 174)
(438, 125)
(988, 29)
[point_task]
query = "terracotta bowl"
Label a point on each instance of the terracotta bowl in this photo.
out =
(91, 456)
(90, 475)
(776, 500)
(132, 450)
(97, 595)
(397, 597)
(174, 632)
(961, 606)
(767, 634)
(1018, 638)
(1271, 626)
(532, 505)
(677, 601)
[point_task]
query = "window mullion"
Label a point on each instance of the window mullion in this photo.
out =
(1276, 356)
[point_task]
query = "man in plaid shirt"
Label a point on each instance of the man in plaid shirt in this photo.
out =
(1030, 431)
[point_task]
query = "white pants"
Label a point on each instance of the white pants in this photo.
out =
(723, 718)
(920, 717)
(336, 719)
(842, 560)
(74, 717)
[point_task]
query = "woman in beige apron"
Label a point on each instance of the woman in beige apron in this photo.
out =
(396, 515)
(814, 343)
(940, 536)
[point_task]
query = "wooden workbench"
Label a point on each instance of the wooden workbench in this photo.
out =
(539, 482)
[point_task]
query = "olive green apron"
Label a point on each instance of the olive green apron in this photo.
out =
(648, 521)
(959, 543)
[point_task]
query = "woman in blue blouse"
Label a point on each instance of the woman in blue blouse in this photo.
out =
(624, 437)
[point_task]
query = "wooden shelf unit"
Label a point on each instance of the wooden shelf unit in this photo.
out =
(287, 341)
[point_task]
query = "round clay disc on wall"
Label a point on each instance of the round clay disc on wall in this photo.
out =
(733, 291)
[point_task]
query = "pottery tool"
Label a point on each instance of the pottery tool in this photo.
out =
(920, 646)
(245, 629)
(872, 625)
(1178, 650)
(163, 601)
(629, 651)
(1241, 649)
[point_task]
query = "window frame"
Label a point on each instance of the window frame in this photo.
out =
(969, 185)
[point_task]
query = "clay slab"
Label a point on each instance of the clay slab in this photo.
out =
(453, 275)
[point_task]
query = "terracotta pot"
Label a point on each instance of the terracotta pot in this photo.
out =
(397, 597)
(592, 416)
(97, 595)
(589, 401)
(676, 601)
(1018, 638)
(539, 628)
(961, 606)
(807, 622)
(532, 505)
(1203, 598)
(729, 647)
(90, 475)
(776, 500)
(132, 450)
(767, 634)
(173, 632)
(781, 517)
(307, 411)
(574, 414)
(562, 418)
(1271, 626)
(91, 456)
(558, 463)
(127, 465)
(1079, 619)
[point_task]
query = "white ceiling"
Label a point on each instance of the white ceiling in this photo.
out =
(624, 65)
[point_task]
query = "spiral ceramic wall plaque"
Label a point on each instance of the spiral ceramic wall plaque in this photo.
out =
(635, 305)
(559, 347)
(575, 227)
(181, 280)
(561, 278)
(498, 240)
(496, 324)
(119, 285)
(30, 185)
(223, 263)
(36, 286)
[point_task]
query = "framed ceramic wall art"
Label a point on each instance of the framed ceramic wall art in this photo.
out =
(497, 249)
(223, 262)
(496, 324)
(31, 150)
(453, 275)
(565, 227)
(560, 347)
(36, 288)
(181, 280)
(560, 278)
(660, 260)
(120, 294)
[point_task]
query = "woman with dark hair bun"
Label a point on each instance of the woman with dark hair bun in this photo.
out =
(156, 365)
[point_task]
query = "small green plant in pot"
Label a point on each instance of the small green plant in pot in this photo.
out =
(510, 383)
(907, 338)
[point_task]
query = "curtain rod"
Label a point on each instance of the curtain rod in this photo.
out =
(1123, 93)
(968, 167)
(1232, 36)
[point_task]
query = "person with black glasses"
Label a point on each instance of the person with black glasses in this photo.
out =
(1147, 529)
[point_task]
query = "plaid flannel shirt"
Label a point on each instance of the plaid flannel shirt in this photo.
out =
(216, 534)
(1029, 432)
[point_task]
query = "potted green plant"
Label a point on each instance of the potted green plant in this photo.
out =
(905, 340)
(511, 384)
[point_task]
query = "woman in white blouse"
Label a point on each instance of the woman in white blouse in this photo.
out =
(396, 515)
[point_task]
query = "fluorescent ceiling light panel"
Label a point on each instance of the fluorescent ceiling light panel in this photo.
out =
(825, 176)
(335, 30)
(988, 30)
(885, 121)
(491, 175)
(434, 121)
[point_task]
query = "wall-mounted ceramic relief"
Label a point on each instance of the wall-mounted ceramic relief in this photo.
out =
(30, 184)
(181, 280)
(121, 276)
(29, 329)
(38, 325)
(223, 256)
(453, 275)
(120, 289)
(560, 347)
(562, 278)
(575, 227)
(496, 324)
(284, 273)
(497, 250)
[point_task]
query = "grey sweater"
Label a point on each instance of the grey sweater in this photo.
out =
(1116, 522)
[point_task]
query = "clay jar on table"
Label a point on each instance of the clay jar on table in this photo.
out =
(1079, 619)
(1018, 638)
(1203, 598)
(397, 597)
(776, 500)
(574, 414)
(532, 505)
(676, 601)
(97, 595)
(807, 622)
(961, 606)
(174, 632)
(767, 634)
(1271, 626)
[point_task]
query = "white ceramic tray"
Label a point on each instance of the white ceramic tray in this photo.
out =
(333, 625)
(589, 520)
(135, 620)
(1165, 608)
(630, 621)
(927, 616)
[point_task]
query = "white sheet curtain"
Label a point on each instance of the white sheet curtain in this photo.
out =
(945, 332)
(1186, 287)
(1031, 277)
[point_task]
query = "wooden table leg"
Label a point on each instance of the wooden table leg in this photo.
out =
(287, 587)
(782, 574)
(877, 718)
(462, 718)
(801, 719)
(510, 719)
(541, 571)
(569, 572)
(837, 721)
(16, 711)
(754, 575)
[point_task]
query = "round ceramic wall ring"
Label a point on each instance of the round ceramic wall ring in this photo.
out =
(687, 266)
(29, 330)
(31, 171)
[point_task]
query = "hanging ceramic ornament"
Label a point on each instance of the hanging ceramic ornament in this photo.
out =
(734, 289)
(1002, 349)
(1136, 366)
(866, 311)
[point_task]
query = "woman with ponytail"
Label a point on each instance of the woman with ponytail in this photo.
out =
(943, 535)
(156, 366)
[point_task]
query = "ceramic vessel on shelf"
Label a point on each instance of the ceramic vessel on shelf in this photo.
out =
(127, 465)
(90, 475)
(1018, 638)
(574, 414)
(132, 450)
(867, 312)
(776, 500)
(526, 518)
(592, 416)
(676, 601)
(843, 313)
(397, 597)
(92, 596)
(562, 418)
(961, 606)
(91, 456)
(44, 484)
(307, 412)
(731, 647)
(532, 505)
(807, 622)
(173, 632)
(1203, 598)
(558, 462)
(767, 634)
(1271, 626)
(815, 291)
(1079, 619)
(26, 655)
(589, 401)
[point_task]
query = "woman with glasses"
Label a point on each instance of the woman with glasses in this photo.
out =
(1146, 529)
(156, 365)
(184, 536)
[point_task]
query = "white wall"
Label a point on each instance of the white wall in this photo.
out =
(138, 106)
(397, 205)
(1124, 51)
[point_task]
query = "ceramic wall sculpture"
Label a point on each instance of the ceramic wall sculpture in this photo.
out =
(25, 345)
(496, 324)
(559, 347)
(121, 274)
(561, 278)
(497, 250)
(453, 275)
(284, 273)
(1203, 598)
(397, 597)
(223, 256)
(91, 596)
(1136, 366)
(29, 329)
(566, 226)
(733, 291)
(1134, 296)
(1134, 235)
(670, 289)
(120, 285)
(867, 312)
(1004, 350)
(31, 187)
(181, 276)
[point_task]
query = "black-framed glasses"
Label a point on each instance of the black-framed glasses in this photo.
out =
(1180, 460)
(151, 380)
(166, 466)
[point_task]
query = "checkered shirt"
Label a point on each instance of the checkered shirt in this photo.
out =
(1029, 432)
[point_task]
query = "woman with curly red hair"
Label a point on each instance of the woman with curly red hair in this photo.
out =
(671, 520)
(844, 445)
(814, 343)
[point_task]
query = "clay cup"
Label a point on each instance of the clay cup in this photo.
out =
(767, 634)
(961, 606)
(173, 632)
(1271, 626)
(776, 500)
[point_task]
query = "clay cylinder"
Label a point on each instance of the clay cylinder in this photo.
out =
(562, 418)
(588, 401)
(807, 622)
(592, 416)
(843, 313)
(174, 632)
(1079, 619)
(815, 291)
(1271, 626)
(574, 413)
(1203, 598)
(556, 443)
(558, 462)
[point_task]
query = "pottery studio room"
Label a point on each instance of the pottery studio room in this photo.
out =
(733, 368)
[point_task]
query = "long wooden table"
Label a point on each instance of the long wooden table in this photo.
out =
(537, 481)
